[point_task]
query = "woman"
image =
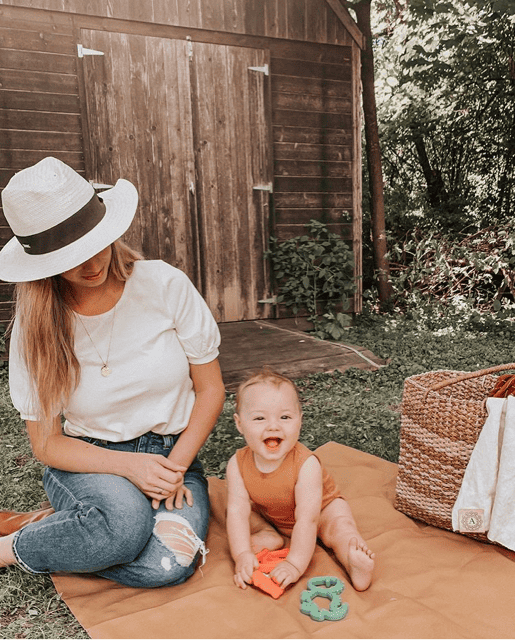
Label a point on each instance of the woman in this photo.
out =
(125, 350)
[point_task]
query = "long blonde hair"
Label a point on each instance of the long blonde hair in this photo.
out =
(46, 326)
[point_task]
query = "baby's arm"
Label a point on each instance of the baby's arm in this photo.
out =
(238, 526)
(308, 503)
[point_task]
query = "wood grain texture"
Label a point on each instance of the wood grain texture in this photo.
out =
(314, 144)
(139, 107)
(300, 128)
(37, 81)
(231, 156)
(39, 105)
(357, 194)
(192, 135)
(304, 20)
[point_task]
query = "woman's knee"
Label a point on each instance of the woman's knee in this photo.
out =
(165, 575)
(169, 559)
(117, 537)
(115, 517)
(177, 539)
(118, 523)
(177, 551)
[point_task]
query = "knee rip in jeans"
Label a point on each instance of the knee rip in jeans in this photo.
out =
(176, 534)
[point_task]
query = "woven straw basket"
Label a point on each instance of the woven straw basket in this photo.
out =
(442, 415)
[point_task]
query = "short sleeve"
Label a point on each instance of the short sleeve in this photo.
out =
(22, 392)
(196, 328)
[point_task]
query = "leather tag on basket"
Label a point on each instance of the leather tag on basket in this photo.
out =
(504, 387)
(471, 520)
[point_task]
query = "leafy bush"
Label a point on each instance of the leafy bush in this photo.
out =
(475, 270)
(314, 272)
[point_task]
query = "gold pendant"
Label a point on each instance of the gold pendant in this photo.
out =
(105, 371)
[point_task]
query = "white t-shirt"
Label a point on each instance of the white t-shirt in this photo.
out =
(161, 326)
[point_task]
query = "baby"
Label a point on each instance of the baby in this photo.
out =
(277, 487)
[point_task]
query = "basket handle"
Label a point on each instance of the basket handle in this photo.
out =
(472, 374)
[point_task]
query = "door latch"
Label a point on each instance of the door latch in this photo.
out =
(263, 69)
(82, 51)
(264, 187)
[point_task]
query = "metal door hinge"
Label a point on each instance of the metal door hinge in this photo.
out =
(264, 187)
(264, 69)
(190, 47)
(82, 51)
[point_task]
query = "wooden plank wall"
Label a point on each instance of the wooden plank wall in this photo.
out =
(231, 142)
(315, 92)
(357, 187)
(138, 106)
(39, 107)
(313, 139)
(306, 20)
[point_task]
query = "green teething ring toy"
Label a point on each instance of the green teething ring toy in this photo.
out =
(325, 587)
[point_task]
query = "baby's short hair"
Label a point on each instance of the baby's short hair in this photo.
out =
(264, 375)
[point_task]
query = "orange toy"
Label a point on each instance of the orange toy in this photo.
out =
(267, 561)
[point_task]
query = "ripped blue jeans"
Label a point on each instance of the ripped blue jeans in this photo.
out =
(103, 524)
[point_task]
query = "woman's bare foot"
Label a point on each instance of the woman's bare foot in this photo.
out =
(361, 564)
(7, 557)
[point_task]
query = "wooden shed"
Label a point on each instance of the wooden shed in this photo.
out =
(235, 119)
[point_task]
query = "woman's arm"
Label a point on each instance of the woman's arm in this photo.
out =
(209, 401)
(308, 501)
(238, 526)
(150, 473)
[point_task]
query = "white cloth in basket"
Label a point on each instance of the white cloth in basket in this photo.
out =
(489, 480)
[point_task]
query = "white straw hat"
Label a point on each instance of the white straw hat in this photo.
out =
(58, 220)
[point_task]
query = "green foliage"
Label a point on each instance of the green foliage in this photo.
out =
(222, 442)
(314, 272)
(332, 325)
(474, 270)
(445, 87)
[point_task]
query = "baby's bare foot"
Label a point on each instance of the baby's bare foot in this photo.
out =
(266, 539)
(361, 564)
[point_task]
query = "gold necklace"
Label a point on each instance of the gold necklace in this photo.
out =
(104, 370)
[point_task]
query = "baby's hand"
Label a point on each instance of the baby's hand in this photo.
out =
(246, 563)
(284, 574)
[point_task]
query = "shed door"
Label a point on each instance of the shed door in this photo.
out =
(186, 123)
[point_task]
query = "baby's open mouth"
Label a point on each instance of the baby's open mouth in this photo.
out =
(272, 443)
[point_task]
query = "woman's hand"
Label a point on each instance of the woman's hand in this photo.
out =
(246, 563)
(156, 476)
(175, 500)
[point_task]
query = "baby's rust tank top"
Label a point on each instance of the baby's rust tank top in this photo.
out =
(273, 494)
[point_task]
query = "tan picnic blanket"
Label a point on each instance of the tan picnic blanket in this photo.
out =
(429, 583)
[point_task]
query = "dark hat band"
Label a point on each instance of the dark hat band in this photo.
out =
(66, 231)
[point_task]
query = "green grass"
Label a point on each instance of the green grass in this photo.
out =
(356, 408)
(361, 408)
